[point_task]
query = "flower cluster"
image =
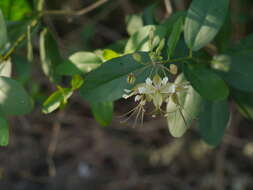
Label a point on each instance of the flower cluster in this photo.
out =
(157, 91)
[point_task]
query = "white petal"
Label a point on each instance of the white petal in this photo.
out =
(137, 98)
(148, 81)
(165, 80)
(127, 90)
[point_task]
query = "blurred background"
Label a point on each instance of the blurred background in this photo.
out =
(69, 150)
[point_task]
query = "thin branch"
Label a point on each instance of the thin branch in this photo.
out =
(75, 13)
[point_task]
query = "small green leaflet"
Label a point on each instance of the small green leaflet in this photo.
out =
(102, 112)
(190, 102)
(4, 132)
(213, 121)
(203, 21)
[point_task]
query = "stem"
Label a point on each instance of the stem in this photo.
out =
(75, 13)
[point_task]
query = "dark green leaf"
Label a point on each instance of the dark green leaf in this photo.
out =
(22, 68)
(203, 21)
(149, 15)
(107, 83)
(213, 121)
(175, 36)
(207, 83)
(190, 102)
(243, 47)
(14, 100)
(102, 112)
(4, 132)
(15, 9)
(240, 72)
(49, 55)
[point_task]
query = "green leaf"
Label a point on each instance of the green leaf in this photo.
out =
(213, 121)
(3, 31)
(23, 68)
(76, 82)
(244, 101)
(240, 72)
(139, 41)
(4, 132)
(5, 68)
(149, 15)
(15, 9)
(49, 55)
(190, 102)
(55, 100)
(109, 54)
(175, 36)
(102, 112)
(203, 21)
(14, 100)
(79, 63)
(206, 82)
(243, 47)
(107, 83)
(134, 22)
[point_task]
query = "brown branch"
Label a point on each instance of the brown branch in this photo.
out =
(75, 13)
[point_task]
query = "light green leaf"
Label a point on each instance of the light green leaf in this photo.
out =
(139, 41)
(76, 82)
(102, 112)
(206, 82)
(203, 21)
(190, 102)
(15, 9)
(5, 68)
(3, 31)
(175, 36)
(213, 121)
(4, 132)
(134, 22)
(49, 55)
(109, 54)
(107, 83)
(55, 100)
(14, 100)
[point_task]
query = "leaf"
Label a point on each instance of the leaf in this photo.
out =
(175, 36)
(5, 68)
(213, 121)
(15, 9)
(14, 100)
(107, 83)
(134, 22)
(49, 55)
(244, 101)
(240, 72)
(55, 100)
(206, 82)
(203, 21)
(79, 63)
(109, 54)
(149, 15)
(4, 132)
(76, 82)
(3, 31)
(22, 68)
(102, 112)
(190, 102)
(243, 47)
(139, 41)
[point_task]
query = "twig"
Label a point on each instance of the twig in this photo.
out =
(75, 13)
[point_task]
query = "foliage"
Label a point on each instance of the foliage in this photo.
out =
(155, 54)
